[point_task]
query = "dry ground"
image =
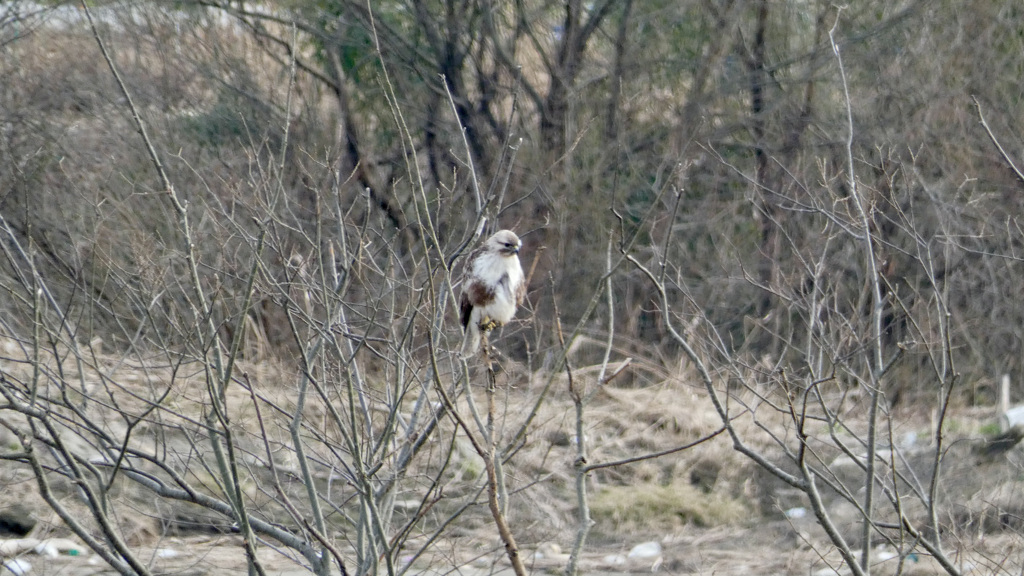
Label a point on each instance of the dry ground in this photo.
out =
(711, 510)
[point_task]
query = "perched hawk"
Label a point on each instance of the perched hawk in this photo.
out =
(492, 288)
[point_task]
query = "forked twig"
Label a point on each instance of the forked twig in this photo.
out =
(992, 137)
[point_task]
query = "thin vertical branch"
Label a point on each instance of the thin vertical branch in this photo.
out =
(583, 519)
(878, 364)
(477, 195)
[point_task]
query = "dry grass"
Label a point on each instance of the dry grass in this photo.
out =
(668, 508)
(708, 495)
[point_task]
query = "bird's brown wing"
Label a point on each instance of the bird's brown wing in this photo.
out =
(521, 293)
(465, 308)
(465, 303)
(474, 293)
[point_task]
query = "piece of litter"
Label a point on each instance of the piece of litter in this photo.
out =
(645, 550)
(797, 512)
(614, 560)
(46, 548)
(883, 555)
(18, 567)
(166, 553)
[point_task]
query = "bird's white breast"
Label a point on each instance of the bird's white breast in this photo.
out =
(505, 274)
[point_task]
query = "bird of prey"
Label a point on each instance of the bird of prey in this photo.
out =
(492, 288)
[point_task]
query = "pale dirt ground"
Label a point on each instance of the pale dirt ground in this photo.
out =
(722, 551)
(766, 545)
(737, 527)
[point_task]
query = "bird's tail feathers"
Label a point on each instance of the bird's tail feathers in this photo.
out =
(470, 341)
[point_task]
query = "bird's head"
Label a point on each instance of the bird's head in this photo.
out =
(505, 242)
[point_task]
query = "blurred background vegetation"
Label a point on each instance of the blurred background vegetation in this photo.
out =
(721, 122)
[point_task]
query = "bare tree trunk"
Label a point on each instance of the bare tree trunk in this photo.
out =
(764, 192)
